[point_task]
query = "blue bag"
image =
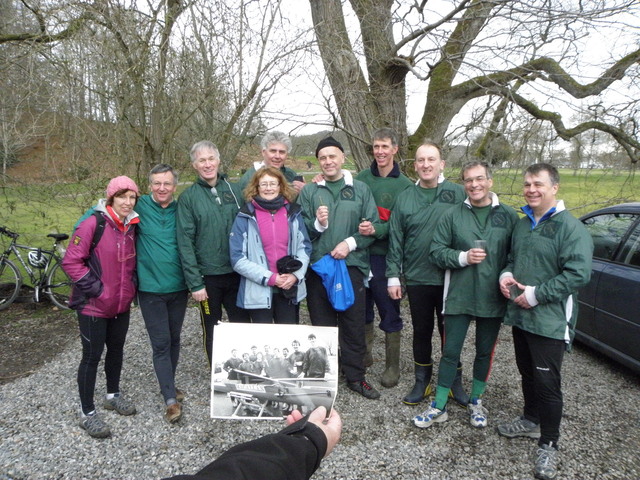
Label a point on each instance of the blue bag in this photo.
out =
(336, 280)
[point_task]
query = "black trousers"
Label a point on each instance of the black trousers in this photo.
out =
(425, 304)
(221, 290)
(350, 323)
(281, 311)
(163, 315)
(539, 361)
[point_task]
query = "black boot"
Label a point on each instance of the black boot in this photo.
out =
(422, 388)
(457, 391)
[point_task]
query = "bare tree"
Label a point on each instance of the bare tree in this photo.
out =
(527, 53)
(252, 46)
(161, 75)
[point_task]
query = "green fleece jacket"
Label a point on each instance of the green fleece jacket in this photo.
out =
(553, 259)
(473, 289)
(413, 224)
(354, 203)
(204, 220)
(159, 267)
(385, 191)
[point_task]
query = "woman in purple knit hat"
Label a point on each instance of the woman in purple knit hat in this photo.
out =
(101, 261)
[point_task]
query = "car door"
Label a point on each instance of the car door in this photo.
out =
(617, 300)
(607, 231)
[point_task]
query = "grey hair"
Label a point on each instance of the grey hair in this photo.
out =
(275, 137)
(473, 164)
(384, 133)
(164, 168)
(201, 145)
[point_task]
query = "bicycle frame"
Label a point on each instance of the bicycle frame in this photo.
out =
(37, 276)
(44, 276)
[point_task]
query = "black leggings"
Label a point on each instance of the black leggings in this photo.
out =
(95, 333)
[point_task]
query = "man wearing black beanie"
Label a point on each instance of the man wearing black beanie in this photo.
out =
(333, 210)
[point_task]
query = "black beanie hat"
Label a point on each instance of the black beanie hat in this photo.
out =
(328, 142)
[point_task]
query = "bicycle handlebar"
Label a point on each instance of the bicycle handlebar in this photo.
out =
(8, 233)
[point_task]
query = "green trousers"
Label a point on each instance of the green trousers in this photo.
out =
(455, 332)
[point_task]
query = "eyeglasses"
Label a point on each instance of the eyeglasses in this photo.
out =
(161, 184)
(469, 181)
(268, 184)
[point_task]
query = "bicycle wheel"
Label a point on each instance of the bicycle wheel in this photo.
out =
(10, 283)
(59, 287)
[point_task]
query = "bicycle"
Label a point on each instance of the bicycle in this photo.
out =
(43, 268)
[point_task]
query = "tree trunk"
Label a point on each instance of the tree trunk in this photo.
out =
(362, 107)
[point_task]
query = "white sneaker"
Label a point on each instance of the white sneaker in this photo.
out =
(430, 416)
(477, 413)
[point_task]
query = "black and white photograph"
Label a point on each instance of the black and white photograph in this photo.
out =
(265, 371)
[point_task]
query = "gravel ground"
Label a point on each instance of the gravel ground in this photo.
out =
(40, 437)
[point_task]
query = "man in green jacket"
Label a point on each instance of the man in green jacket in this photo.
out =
(275, 149)
(413, 223)
(162, 292)
(336, 210)
(206, 212)
(471, 244)
(386, 183)
(550, 260)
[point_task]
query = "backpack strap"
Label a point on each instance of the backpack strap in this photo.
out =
(97, 233)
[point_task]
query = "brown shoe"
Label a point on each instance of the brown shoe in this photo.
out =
(173, 413)
(179, 395)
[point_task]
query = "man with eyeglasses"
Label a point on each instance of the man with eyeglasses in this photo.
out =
(162, 291)
(275, 149)
(471, 243)
(206, 212)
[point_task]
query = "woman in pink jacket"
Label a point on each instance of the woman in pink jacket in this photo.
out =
(103, 276)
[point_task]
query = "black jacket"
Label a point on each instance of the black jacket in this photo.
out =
(292, 454)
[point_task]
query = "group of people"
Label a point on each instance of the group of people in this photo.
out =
(461, 255)
(278, 363)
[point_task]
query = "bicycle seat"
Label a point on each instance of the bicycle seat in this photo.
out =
(58, 236)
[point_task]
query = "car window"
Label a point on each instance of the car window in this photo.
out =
(607, 231)
(630, 253)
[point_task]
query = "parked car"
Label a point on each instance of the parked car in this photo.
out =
(609, 306)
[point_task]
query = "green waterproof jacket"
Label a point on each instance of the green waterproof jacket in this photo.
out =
(385, 191)
(473, 289)
(554, 257)
(159, 267)
(413, 224)
(204, 220)
(354, 203)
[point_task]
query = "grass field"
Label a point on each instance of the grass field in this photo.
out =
(36, 210)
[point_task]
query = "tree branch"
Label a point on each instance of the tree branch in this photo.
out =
(44, 37)
(626, 141)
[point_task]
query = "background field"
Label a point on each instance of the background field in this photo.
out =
(38, 209)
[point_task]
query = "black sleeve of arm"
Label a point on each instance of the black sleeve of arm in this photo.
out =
(292, 454)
